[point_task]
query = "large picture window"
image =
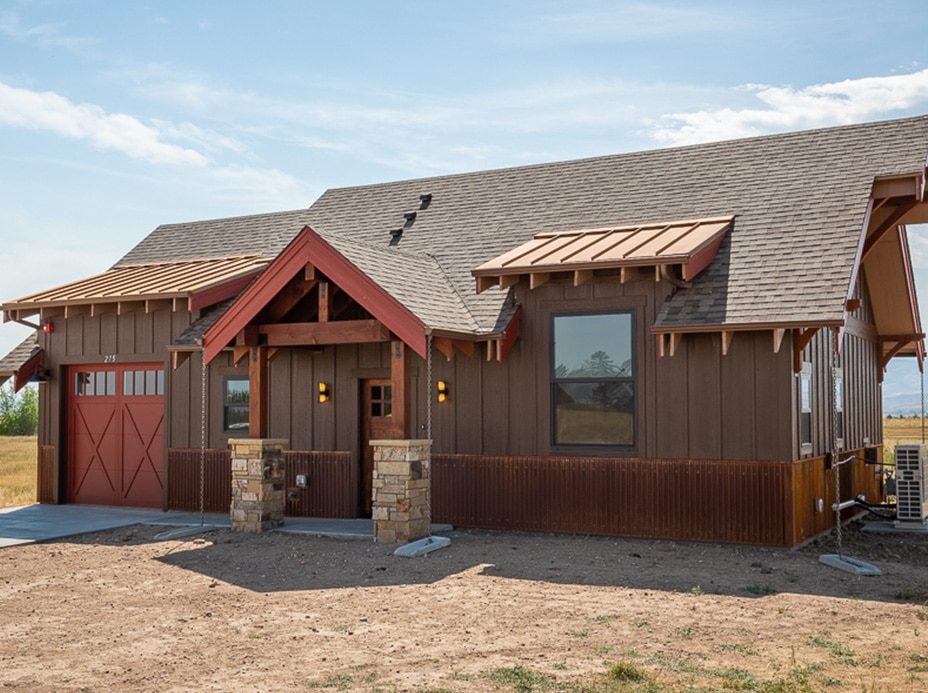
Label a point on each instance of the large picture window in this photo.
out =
(593, 379)
(235, 405)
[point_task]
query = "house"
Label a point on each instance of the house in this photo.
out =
(670, 343)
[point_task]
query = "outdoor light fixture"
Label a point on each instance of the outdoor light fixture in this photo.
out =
(324, 393)
(442, 391)
(40, 375)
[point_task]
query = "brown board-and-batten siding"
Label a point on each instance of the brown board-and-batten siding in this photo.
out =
(771, 503)
(47, 475)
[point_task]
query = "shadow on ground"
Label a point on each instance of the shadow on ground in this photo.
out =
(277, 562)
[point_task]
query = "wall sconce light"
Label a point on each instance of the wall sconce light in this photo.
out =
(442, 391)
(324, 393)
(48, 327)
(40, 375)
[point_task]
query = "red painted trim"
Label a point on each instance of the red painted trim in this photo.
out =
(215, 294)
(27, 370)
(310, 247)
(701, 259)
(510, 334)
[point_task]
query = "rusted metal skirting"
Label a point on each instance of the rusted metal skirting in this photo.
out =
(703, 500)
(47, 479)
(183, 478)
(328, 489)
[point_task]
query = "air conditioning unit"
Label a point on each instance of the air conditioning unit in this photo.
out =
(911, 484)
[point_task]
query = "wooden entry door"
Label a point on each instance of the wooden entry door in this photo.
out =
(115, 435)
(376, 423)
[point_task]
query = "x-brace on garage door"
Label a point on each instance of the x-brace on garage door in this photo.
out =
(115, 434)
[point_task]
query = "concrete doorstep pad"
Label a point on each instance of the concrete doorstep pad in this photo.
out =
(849, 565)
(414, 549)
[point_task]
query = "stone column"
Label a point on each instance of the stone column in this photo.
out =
(402, 492)
(258, 494)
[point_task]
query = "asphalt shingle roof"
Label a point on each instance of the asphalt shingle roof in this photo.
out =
(800, 201)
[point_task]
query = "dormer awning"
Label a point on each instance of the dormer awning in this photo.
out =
(188, 284)
(690, 245)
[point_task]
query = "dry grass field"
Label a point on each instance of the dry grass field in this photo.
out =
(17, 470)
(907, 430)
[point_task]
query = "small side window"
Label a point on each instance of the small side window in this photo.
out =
(235, 405)
(805, 408)
(839, 408)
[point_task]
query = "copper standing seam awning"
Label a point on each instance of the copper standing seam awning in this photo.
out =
(690, 244)
(196, 283)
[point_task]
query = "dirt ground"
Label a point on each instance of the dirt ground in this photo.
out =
(117, 611)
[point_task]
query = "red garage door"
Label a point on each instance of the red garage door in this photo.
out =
(115, 434)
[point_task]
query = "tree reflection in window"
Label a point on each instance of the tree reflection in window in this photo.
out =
(593, 379)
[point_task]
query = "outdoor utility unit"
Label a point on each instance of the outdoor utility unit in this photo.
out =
(911, 486)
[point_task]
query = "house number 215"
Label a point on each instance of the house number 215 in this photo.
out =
(109, 358)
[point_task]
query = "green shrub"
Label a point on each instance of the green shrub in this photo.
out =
(19, 412)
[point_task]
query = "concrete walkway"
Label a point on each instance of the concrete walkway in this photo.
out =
(40, 522)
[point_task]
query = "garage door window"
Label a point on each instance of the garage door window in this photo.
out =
(95, 383)
(140, 383)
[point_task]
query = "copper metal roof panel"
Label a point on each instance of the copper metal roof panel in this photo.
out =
(167, 280)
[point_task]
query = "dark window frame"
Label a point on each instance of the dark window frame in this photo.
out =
(229, 404)
(805, 412)
(632, 381)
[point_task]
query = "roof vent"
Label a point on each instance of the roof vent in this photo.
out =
(409, 216)
(396, 233)
(425, 200)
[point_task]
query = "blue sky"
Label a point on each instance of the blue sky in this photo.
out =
(118, 116)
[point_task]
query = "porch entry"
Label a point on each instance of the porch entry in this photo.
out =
(115, 418)
(376, 423)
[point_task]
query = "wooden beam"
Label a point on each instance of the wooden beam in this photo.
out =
(661, 344)
(399, 380)
(285, 301)
(248, 336)
(484, 283)
(536, 279)
(257, 393)
(801, 339)
(623, 274)
(444, 345)
(309, 273)
(314, 333)
(727, 336)
(239, 353)
(778, 339)
(325, 302)
(675, 339)
(508, 280)
(891, 222)
(582, 276)
(97, 309)
(178, 358)
(155, 304)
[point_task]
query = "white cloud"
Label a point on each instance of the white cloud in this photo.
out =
(44, 35)
(918, 245)
(50, 112)
(786, 108)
